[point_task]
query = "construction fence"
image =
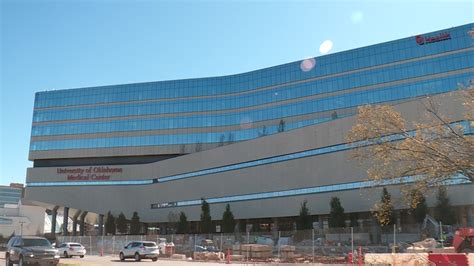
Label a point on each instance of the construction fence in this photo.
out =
(303, 244)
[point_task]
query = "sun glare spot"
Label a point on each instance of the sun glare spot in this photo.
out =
(357, 17)
(325, 47)
(308, 64)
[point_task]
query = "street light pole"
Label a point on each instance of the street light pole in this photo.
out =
(21, 227)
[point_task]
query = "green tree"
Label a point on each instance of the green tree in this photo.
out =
(418, 206)
(384, 209)
(135, 225)
(206, 220)
(354, 217)
(336, 216)
(228, 221)
(109, 224)
(183, 225)
(304, 221)
(443, 210)
(122, 223)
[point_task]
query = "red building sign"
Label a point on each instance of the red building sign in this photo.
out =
(89, 173)
(420, 39)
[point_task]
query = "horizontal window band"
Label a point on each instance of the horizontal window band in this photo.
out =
(218, 129)
(467, 125)
(140, 109)
(337, 74)
(301, 192)
(427, 87)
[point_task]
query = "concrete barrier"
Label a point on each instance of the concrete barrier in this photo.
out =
(414, 259)
(448, 258)
(470, 259)
(236, 258)
(178, 257)
(410, 259)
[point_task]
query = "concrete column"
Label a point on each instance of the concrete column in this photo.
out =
(74, 223)
(65, 220)
(321, 222)
(469, 216)
(54, 214)
(237, 230)
(398, 218)
(275, 228)
(146, 228)
(375, 230)
(101, 224)
(82, 223)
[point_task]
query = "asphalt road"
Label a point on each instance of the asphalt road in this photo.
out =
(114, 260)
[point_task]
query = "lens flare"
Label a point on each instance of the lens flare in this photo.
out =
(357, 17)
(308, 64)
(325, 47)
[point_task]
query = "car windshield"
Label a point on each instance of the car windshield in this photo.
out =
(75, 245)
(149, 244)
(36, 243)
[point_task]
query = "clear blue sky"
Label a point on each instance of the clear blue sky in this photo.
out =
(68, 44)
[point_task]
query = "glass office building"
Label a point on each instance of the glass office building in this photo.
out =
(9, 195)
(162, 136)
(246, 106)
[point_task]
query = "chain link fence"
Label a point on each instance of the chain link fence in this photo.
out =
(301, 245)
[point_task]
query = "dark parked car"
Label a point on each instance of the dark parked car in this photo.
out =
(24, 250)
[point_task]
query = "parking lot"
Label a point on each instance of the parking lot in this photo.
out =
(114, 260)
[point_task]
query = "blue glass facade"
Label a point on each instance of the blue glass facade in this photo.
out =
(467, 125)
(387, 72)
(9, 195)
(300, 191)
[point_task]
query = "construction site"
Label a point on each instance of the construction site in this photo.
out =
(331, 246)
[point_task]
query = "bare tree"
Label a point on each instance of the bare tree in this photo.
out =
(431, 153)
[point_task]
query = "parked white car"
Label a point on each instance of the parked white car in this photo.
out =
(139, 250)
(69, 249)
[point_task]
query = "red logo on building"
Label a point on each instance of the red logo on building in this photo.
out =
(420, 39)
